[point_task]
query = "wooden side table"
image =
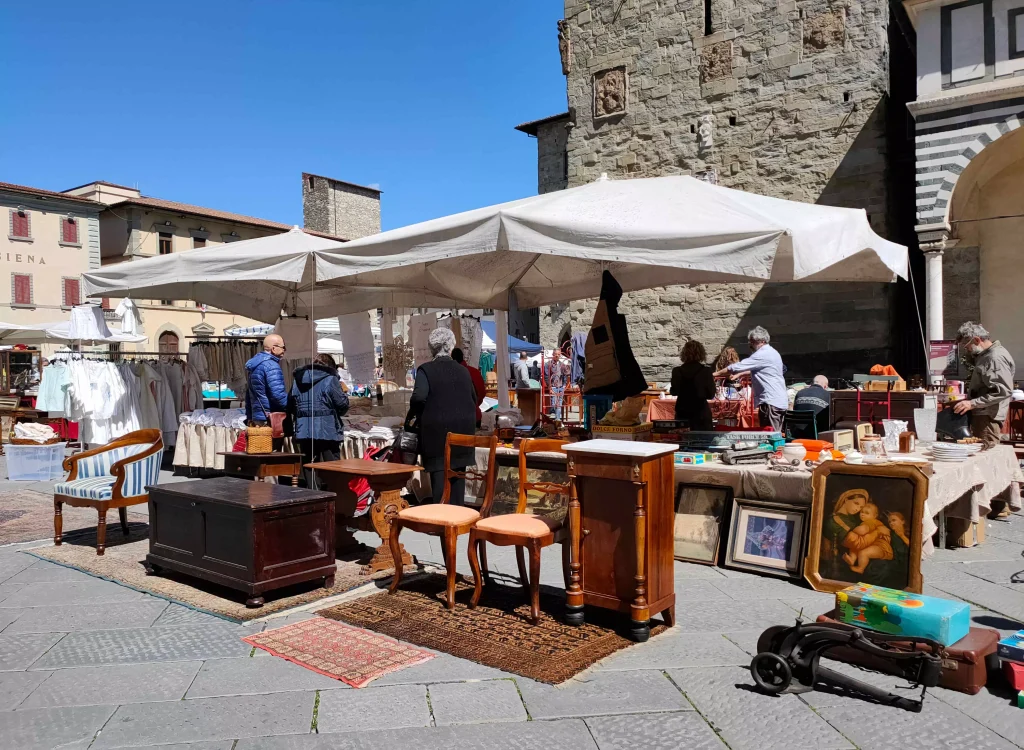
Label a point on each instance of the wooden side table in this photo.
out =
(262, 465)
(621, 518)
(386, 480)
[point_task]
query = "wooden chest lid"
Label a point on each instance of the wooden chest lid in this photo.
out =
(240, 492)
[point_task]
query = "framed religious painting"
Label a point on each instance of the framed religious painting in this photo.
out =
(698, 521)
(767, 537)
(866, 526)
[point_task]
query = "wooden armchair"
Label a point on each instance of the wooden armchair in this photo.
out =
(112, 476)
(443, 520)
(524, 531)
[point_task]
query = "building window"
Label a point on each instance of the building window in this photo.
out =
(709, 28)
(165, 243)
(71, 292)
(312, 182)
(198, 242)
(21, 288)
(69, 231)
(167, 302)
(168, 342)
(21, 225)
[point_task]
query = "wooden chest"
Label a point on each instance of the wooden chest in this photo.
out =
(874, 406)
(248, 536)
(621, 518)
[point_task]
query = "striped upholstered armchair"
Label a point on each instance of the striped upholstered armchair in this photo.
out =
(112, 476)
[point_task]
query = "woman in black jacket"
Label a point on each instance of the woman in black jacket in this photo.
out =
(693, 384)
(443, 400)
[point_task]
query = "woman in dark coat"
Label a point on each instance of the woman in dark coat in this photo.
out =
(318, 403)
(693, 384)
(443, 400)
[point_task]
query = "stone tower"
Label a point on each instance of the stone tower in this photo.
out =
(339, 208)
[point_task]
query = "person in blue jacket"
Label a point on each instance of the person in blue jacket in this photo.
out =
(318, 403)
(265, 392)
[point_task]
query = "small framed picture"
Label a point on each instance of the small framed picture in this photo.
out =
(767, 537)
(698, 524)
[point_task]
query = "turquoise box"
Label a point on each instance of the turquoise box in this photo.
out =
(903, 613)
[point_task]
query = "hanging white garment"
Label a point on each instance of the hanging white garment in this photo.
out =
(171, 372)
(131, 317)
(197, 361)
(191, 389)
(420, 327)
(87, 324)
(357, 342)
(149, 413)
(53, 389)
(127, 418)
(298, 337)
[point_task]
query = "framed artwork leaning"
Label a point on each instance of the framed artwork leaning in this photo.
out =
(767, 537)
(866, 526)
(698, 521)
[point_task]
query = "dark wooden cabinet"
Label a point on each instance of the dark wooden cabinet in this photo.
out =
(874, 406)
(621, 519)
(249, 536)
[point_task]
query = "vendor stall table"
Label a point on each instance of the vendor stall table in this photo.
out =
(725, 411)
(249, 536)
(262, 465)
(386, 480)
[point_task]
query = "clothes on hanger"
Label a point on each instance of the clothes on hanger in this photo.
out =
(87, 324)
(53, 389)
(205, 433)
(487, 363)
(131, 317)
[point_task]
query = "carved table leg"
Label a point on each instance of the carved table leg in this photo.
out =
(386, 505)
(639, 612)
(58, 522)
(574, 592)
(101, 533)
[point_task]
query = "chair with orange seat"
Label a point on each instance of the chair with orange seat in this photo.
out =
(529, 532)
(444, 520)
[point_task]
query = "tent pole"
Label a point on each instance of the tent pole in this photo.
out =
(501, 361)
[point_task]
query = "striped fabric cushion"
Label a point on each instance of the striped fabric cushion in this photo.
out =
(99, 465)
(92, 488)
(138, 474)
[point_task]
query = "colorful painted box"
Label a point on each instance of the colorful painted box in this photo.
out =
(1012, 647)
(903, 613)
(689, 459)
(1014, 672)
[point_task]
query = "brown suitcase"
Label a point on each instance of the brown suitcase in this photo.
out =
(965, 666)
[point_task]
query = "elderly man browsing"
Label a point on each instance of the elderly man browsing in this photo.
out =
(266, 392)
(991, 385)
(765, 367)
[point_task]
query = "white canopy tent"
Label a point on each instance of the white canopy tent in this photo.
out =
(544, 249)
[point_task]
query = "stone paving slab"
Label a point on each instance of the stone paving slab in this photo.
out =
(695, 571)
(676, 649)
(373, 708)
(992, 549)
(7, 590)
(946, 571)
(442, 668)
(7, 616)
(677, 731)
(78, 617)
(15, 687)
(567, 734)
(712, 617)
(603, 693)
(998, 571)
(995, 710)
(749, 720)
(762, 587)
(137, 683)
(938, 725)
(46, 572)
(12, 562)
(77, 592)
(745, 639)
(991, 596)
(134, 646)
(50, 728)
(476, 702)
(250, 676)
(19, 650)
(207, 719)
(175, 614)
(698, 589)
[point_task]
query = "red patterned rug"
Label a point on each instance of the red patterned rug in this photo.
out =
(355, 656)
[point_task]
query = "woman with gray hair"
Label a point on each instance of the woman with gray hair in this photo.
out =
(443, 400)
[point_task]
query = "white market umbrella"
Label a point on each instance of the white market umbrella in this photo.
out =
(257, 278)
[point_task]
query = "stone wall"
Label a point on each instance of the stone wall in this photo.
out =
(785, 99)
(961, 288)
(551, 156)
(341, 209)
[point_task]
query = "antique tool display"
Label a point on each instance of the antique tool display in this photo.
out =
(785, 654)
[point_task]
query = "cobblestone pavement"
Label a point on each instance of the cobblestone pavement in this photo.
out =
(85, 663)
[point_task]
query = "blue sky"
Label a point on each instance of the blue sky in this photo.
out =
(225, 104)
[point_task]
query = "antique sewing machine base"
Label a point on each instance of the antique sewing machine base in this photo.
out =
(785, 654)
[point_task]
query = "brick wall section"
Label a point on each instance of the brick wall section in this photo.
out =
(789, 74)
(551, 155)
(339, 208)
(961, 287)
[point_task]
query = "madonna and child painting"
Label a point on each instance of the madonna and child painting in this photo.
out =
(866, 526)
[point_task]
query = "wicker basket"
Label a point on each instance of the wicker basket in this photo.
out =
(26, 441)
(259, 439)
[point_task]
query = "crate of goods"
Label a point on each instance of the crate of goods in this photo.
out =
(1012, 647)
(637, 432)
(669, 430)
(35, 463)
(966, 664)
(903, 613)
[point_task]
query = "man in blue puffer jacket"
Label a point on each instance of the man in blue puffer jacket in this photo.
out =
(266, 392)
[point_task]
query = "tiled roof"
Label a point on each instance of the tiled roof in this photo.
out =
(48, 194)
(530, 128)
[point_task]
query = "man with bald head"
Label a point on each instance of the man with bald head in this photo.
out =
(266, 392)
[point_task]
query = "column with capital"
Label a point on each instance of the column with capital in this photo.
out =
(933, 241)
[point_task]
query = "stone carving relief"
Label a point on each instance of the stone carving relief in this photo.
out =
(611, 92)
(825, 31)
(706, 132)
(565, 46)
(716, 61)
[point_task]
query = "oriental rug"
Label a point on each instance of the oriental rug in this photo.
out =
(356, 657)
(497, 633)
(26, 516)
(122, 563)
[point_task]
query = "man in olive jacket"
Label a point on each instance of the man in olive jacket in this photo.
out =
(991, 385)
